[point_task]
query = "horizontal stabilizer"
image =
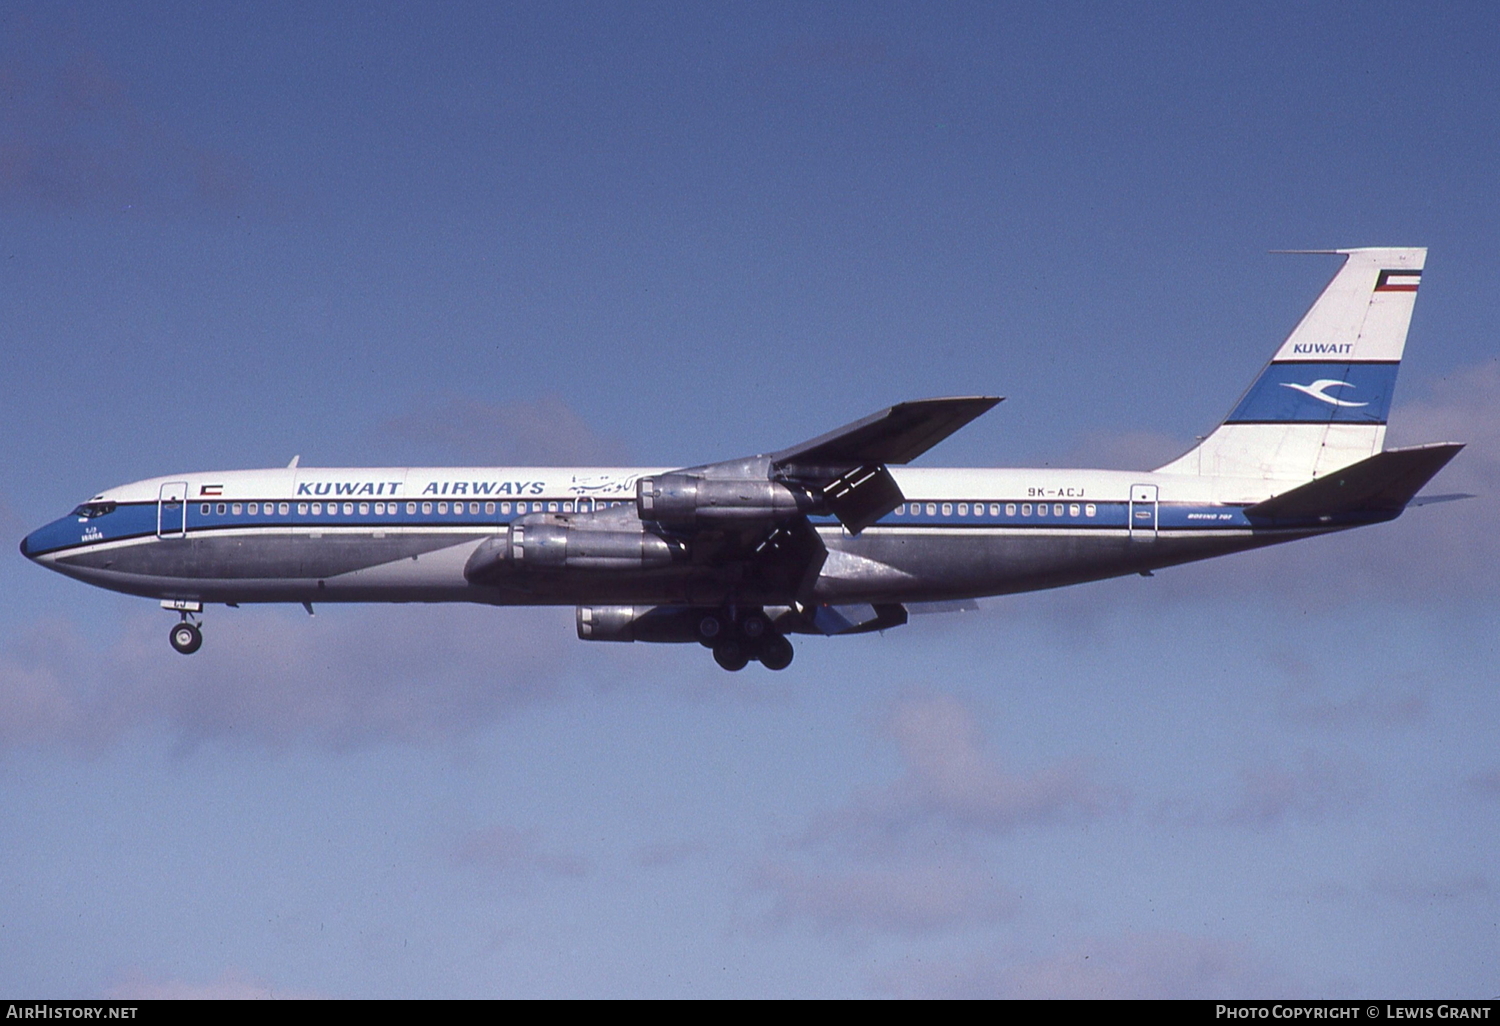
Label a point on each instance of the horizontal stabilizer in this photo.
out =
(857, 619)
(932, 608)
(1433, 500)
(1383, 483)
(897, 434)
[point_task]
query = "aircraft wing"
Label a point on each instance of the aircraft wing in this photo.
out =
(848, 465)
(748, 518)
(897, 434)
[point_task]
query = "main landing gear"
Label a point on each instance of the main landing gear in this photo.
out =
(187, 636)
(736, 641)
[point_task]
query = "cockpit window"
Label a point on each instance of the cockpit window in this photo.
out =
(90, 510)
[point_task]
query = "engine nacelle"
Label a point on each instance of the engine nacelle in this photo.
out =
(683, 500)
(639, 623)
(558, 546)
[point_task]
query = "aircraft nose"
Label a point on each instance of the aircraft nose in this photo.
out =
(25, 550)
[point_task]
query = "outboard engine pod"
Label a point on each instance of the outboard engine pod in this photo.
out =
(684, 500)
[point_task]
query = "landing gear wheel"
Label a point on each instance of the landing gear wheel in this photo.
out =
(755, 626)
(186, 638)
(776, 652)
(709, 628)
(731, 655)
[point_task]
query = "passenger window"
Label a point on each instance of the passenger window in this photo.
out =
(1025, 509)
(302, 509)
(254, 509)
(552, 507)
(1041, 509)
(932, 509)
(317, 509)
(505, 507)
(963, 509)
(1089, 510)
(236, 508)
(474, 507)
(204, 509)
(1073, 510)
(348, 509)
(1010, 509)
(364, 509)
(489, 509)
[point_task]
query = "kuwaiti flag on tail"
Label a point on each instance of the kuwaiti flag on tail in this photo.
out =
(1394, 280)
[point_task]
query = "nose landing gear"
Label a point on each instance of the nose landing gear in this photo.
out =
(186, 637)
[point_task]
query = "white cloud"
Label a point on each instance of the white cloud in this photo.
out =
(72, 134)
(545, 432)
(951, 780)
(1312, 789)
(908, 898)
(231, 986)
(1124, 450)
(516, 855)
(1486, 784)
(345, 678)
(1132, 966)
(1422, 890)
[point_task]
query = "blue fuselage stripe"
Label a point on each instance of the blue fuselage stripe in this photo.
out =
(139, 520)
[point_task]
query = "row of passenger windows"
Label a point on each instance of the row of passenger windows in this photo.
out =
(383, 509)
(1057, 509)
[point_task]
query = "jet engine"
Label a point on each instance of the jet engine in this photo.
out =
(687, 500)
(560, 546)
(639, 623)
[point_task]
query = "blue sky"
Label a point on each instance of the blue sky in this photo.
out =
(668, 234)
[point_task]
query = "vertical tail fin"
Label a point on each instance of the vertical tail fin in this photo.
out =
(1322, 401)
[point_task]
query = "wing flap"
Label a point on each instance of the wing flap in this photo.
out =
(863, 496)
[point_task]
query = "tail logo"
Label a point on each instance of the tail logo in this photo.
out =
(1317, 391)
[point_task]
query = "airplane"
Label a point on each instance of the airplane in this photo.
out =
(833, 536)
